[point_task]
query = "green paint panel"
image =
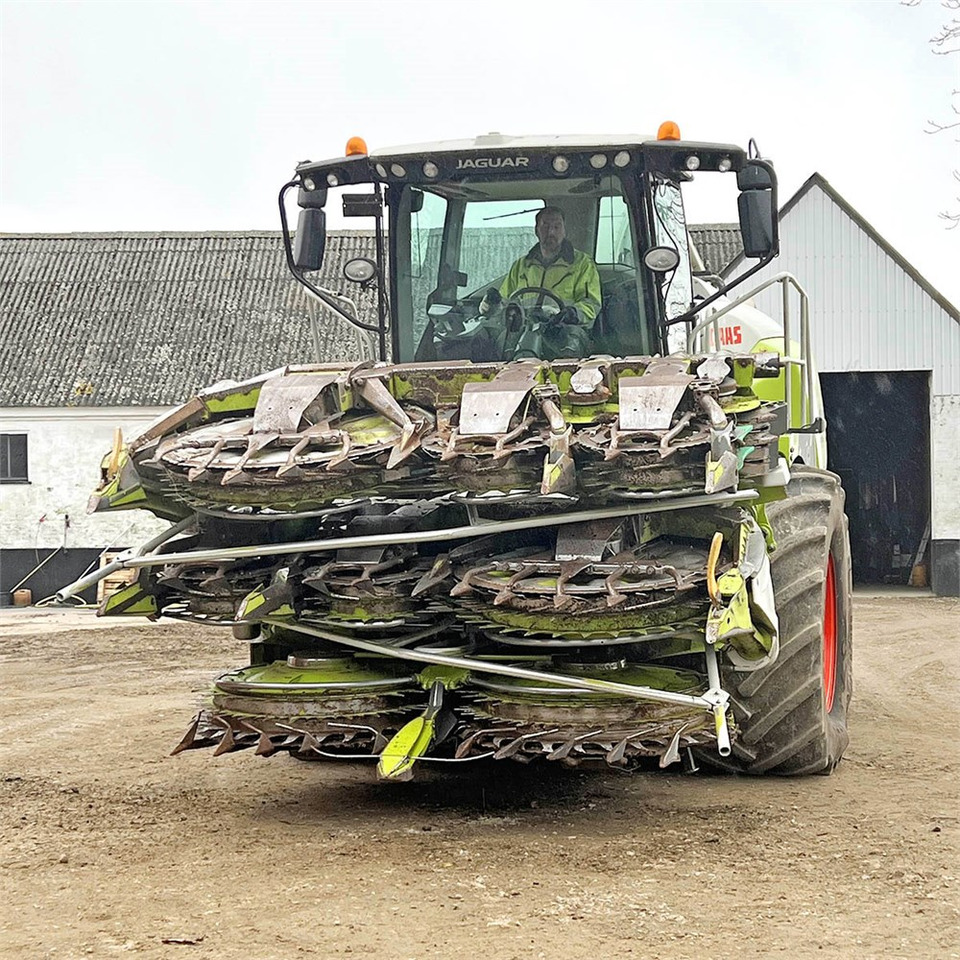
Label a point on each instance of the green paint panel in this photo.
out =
(407, 746)
(600, 624)
(450, 677)
(129, 601)
(638, 675)
(335, 670)
(770, 389)
(240, 402)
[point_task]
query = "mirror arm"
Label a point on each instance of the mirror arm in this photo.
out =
(383, 310)
(287, 242)
(771, 256)
(694, 310)
(312, 287)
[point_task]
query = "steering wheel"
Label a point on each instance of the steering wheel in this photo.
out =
(542, 291)
(521, 335)
(525, 328)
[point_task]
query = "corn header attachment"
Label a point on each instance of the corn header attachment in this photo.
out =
(453, 560)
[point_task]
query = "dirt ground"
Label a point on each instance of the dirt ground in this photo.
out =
(108, 846)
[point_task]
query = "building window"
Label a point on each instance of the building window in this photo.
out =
(13, 458)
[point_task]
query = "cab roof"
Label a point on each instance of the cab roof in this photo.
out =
(499, 141)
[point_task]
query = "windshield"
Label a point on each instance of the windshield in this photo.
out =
(503, 269)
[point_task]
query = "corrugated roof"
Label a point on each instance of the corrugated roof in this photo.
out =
(718, 244)
(143, 319)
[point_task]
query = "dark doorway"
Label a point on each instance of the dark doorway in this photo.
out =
(878, 439)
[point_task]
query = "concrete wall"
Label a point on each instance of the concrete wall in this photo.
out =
(945, 450)
(945, 488)
(64, 450)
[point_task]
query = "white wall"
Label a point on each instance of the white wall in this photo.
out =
(64, 450)
(866, 312)
(945, 456)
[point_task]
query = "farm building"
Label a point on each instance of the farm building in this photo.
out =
(104, 331)
(888, 351)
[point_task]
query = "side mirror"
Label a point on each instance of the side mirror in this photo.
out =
(757, 224)
(311, 239)
(757, 208)
(315, 197)
(396, 190)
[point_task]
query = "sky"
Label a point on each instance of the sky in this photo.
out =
(190, 116)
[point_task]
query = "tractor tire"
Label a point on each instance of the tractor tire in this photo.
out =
(792, 714)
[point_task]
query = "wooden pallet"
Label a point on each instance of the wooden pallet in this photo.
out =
(119, 578)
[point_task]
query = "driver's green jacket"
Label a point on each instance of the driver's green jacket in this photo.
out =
(572, 277)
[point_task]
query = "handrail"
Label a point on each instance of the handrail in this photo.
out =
(786, 280)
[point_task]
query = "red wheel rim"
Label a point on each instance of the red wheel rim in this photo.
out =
(830, 637)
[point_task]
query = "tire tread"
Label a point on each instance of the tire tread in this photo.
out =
(779, 709)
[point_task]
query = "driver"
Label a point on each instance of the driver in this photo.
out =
(552, 264)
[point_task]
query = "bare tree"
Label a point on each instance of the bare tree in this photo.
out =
(944, 42)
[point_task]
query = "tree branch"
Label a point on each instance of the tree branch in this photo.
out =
(941, 43)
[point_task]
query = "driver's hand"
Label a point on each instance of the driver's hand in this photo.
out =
(569, 315)
(491, 300)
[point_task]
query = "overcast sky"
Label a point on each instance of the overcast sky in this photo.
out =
(189, 116)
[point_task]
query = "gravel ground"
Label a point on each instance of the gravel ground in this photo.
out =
(111, 847)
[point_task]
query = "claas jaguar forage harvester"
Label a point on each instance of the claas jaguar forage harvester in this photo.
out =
(492, 540)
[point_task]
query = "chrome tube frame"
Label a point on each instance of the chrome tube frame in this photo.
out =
(707, 701)
(696, 344)
(123, 560)
(424, 536)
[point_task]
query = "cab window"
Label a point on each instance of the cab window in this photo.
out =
(495, 234)
(614, 237)
(426, 237)
(460, 241)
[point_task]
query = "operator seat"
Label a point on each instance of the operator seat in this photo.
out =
(617, 328)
